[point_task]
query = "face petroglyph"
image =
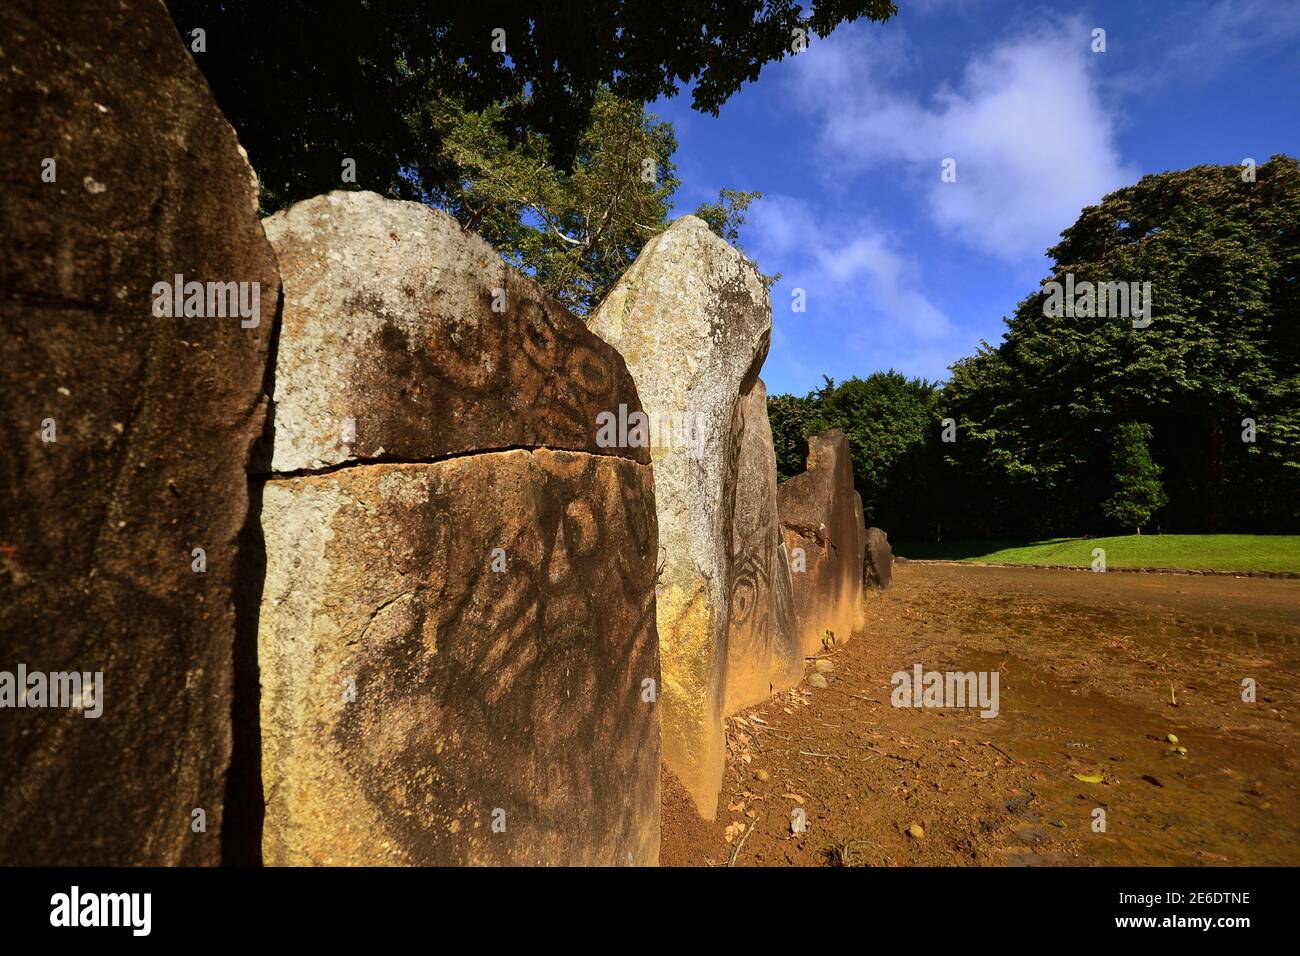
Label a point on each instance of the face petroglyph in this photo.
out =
(762, 655)
(560, 374)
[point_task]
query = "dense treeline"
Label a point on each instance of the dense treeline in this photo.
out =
(1082, 421)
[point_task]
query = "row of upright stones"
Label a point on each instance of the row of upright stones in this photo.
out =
(276, 536)
(432, 600)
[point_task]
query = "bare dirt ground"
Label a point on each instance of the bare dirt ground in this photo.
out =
(1090, 668)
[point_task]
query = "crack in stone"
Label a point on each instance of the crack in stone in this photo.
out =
(451, 456)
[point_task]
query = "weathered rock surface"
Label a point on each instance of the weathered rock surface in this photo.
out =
(879, 560)
(390, 348)
(860, 522)
(512, 697)
(693, 320)
(152, 418)
(458, 655)
(822, 527)
(763, 656)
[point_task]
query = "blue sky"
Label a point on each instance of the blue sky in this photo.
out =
(846, 141)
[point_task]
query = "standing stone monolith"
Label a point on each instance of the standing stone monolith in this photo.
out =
(137, 295)
(821, 525)
(763, 655)
(456, 626)
(693, 320)
(860, 523)
(879, 560)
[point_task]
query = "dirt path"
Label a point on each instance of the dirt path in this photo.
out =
(1089, 665)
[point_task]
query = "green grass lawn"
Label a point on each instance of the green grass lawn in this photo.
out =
(1219, 552)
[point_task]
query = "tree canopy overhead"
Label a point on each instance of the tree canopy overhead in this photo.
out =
(353, 80)
(577, 230)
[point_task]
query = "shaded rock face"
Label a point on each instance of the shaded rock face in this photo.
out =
(821, 524)
(763, 656)
(458, 655)
(693, 320)
(152, 418)
(879, 560)
(860, 522)
(391, 350)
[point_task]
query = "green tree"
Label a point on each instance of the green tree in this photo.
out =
(1036, 414)
(793, 420)
(727, 215)
(575, 231)
(888, 421)
(1138, 492)
(307, 85)
(1215, 377)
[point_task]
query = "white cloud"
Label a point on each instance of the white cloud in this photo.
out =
(1031, 138)
(848, 268)
(1205, 40)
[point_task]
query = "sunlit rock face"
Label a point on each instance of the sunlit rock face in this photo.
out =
(821, 522)
(455, 629)
(692, 319)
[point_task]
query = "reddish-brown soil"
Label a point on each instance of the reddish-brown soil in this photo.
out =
(1089, 668)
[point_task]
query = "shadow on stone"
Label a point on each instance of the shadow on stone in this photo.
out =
(245, 809)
